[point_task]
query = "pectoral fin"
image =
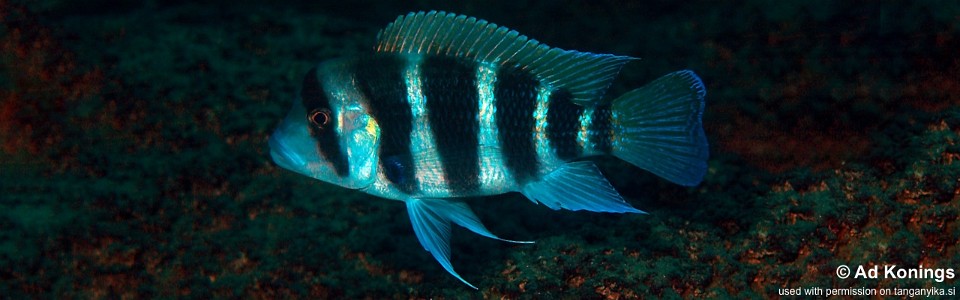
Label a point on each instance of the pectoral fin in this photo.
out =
(577, 186)
(431, 220)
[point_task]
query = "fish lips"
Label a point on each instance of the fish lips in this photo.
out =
(285, 156)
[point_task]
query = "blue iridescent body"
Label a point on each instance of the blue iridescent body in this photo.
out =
(450, 106)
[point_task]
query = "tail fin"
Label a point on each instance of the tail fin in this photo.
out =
(658, 127)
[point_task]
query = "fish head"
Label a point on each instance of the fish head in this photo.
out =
(327, 135)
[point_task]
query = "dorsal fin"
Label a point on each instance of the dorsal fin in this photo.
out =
(586, 75)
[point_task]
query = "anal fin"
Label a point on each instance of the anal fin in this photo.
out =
(431, 220)
(577, 186)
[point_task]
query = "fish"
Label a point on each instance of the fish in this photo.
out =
(448, 106)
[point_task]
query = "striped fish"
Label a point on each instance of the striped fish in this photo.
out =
(452, 106)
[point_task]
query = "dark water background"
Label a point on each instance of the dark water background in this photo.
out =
(134, 162)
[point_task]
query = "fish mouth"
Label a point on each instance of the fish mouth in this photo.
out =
(284, 156)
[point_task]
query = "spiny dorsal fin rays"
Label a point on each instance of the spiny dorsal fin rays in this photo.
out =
(586, 75)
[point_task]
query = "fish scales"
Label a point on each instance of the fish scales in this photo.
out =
(453, 108)
(563, 125)
(515, 94)
(601, 131)
(450, 106)
(451, 93)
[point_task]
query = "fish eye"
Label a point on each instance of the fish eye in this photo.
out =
(320, 118)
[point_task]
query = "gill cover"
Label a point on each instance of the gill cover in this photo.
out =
(358, 132)
(361, 136)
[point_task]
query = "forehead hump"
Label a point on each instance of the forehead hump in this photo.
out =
(312, 93)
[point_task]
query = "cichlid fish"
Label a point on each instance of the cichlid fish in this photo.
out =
(451, 106)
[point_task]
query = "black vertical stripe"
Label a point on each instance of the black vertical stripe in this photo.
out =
(380, 79)
(600, 129)
(516, 99)
(314, 99)
(563, 124)
(452, 105)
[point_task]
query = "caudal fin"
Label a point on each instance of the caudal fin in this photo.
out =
(659, 127)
